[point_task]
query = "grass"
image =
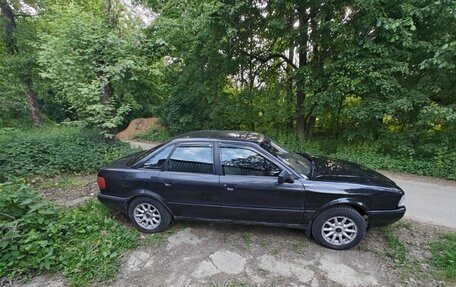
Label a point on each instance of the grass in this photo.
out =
(247, 238)
(443, 257)
(63, 182)
(396, 248)
(91, 243)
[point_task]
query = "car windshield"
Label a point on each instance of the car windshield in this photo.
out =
(298, 162)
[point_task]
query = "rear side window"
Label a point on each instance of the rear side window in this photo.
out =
(242, 161)
(194, 159)
(157, 160)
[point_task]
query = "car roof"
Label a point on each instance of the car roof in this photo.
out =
(246, 136)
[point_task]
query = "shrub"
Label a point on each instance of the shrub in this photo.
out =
(84, 243)
(442, 163)
(49, 151)
(154, 134)
(25, 222)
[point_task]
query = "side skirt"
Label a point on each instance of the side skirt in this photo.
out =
(244, 222)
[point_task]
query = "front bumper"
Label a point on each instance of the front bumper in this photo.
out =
(385, 217)
(114, 202)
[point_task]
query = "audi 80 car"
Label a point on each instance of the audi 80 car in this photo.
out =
(245, 177)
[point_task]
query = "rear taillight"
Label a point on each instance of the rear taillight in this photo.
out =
(101, 182)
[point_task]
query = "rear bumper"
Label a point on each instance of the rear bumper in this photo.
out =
(384, 217)
(114, 202)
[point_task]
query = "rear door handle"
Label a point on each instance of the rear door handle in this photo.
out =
(167, 184)
(228, 188)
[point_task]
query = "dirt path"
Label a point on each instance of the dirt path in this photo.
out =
(202, 254)
(428, 200)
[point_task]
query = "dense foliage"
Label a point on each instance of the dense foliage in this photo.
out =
(52, 150)
(377, 73)
(83, 243)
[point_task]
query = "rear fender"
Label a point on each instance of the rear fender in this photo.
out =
(147, 193)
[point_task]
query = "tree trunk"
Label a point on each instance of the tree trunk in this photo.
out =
(310, 127)
(108, 91)
(10, 26)
(302, 56)
(289, 95)
(12, 49)
(33, 103)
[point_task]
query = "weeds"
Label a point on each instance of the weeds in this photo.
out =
(444, 256)
(83, 243)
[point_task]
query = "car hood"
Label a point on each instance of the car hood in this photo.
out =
(341, 170)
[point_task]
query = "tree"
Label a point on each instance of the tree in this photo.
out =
(18, 57)
(93, 58)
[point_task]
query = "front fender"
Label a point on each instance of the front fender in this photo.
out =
(362, 208)
(347, 201)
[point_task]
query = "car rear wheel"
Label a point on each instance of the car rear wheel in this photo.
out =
(339, 228)
(148, 215)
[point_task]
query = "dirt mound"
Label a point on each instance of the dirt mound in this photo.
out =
(138, 126)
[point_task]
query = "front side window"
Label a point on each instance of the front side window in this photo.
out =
(194, 159)
(242, 161)
(157, 160)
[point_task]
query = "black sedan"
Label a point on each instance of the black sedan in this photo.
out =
(244, 177)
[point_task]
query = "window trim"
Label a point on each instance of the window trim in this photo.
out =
(221, 145)
(173, 147)
(191, 144)
(140, 163)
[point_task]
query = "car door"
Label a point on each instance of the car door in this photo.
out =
(191, 186)
(250, 190)
(145, 176)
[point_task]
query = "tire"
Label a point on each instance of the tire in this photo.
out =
(155, 215)
(339, 228)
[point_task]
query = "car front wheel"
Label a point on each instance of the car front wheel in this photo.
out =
(339, 228)
(148, 215)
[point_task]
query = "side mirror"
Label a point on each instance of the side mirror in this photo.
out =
(284, 176)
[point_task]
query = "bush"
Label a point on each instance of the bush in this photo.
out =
(154, 134)
(442, 163)
(49, 151)
(25, 222)
(84, 243)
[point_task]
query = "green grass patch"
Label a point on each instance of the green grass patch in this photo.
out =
(64, 182)
(247, 238)
(396, 248)
(444, 256)
(49, 151)
(84, 243)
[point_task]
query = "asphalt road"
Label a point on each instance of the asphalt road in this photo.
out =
(428, 199)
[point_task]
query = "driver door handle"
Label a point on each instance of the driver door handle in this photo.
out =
(228, 188)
